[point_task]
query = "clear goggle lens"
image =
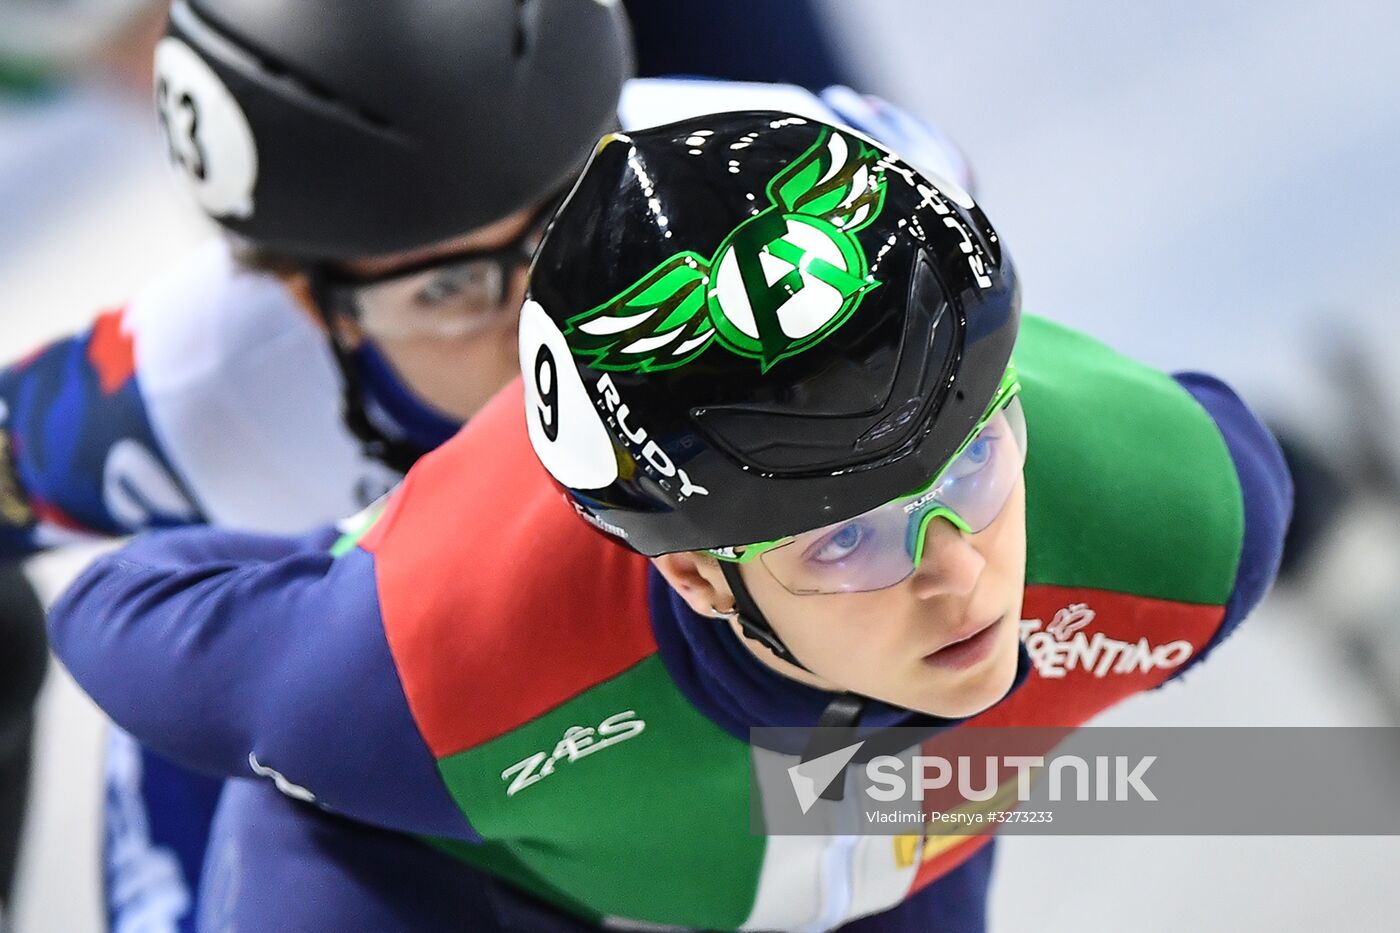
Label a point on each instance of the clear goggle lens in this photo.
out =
(449, 301)
(450, 298)
(881, 548)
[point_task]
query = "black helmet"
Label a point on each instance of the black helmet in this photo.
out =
(750, 325)
(328, 130)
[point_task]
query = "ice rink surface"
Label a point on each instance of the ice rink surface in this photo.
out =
(1203, 186)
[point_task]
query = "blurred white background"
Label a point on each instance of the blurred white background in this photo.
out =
(1202, 185)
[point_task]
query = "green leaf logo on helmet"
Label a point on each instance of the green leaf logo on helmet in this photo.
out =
(779, 284)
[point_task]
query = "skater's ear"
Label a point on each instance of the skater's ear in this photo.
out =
(698, 579)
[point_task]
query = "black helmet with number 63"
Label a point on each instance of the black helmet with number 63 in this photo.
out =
(750, 325)
(330, 129)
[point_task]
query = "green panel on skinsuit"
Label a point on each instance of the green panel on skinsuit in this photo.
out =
(1129, 485)
(610, 828)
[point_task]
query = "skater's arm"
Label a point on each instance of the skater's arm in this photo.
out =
(1267, 491)
(250, 655)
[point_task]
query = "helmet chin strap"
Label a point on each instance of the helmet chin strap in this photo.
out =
(836, 727)
(842, 714)
(396, 453)
(751, 619)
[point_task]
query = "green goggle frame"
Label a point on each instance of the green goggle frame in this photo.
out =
(1010, 387)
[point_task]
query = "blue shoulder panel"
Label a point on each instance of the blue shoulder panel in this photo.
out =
(1268, 499)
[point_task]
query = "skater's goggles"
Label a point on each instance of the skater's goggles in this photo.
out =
(881, 548)
(447, 297)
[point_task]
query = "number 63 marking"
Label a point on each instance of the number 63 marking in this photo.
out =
(185, 147)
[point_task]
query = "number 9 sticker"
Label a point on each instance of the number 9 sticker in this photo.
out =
(206, 130)
(565, 430)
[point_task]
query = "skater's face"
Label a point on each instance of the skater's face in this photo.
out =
(943, 641)
(448, 328)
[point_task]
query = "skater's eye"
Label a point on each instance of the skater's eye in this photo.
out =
(839, 544)
(976, 456)
(442, 286)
